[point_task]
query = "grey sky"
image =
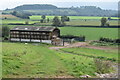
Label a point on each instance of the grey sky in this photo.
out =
(105, 4)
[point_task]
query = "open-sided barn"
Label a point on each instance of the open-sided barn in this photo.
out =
(30, 33)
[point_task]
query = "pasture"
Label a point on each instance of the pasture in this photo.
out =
(74, 20)
(90, 33)
(37, 60)
(38, 17)
(106, 54)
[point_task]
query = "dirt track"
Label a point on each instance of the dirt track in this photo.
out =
(83, 44)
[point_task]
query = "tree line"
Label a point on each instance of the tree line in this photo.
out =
(56, 20)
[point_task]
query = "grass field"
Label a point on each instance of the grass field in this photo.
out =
(90, 33)
(9, 17)
(108, 54)
(74, 20)
(38, 17)
(39, 61)
(17, 21)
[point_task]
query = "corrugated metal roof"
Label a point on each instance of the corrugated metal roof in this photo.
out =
(32, 28)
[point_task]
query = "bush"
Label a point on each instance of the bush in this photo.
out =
(102, 66)
(109, 40)
(103, 21)
(26, 22)
(5, 31)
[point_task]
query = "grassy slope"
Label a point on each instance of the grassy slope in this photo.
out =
(111, 54)
(90, 33)
(27, 60)
(0, 60)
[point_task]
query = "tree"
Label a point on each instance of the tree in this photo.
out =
(5, 31)
(41, 20)
(26, 22)
(65, 18)
(14, 13)
(21, 14)
(48, 20)
(103, 21)
(56, 21)
(43, 16)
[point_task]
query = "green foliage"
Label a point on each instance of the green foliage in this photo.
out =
(5, 31)
(26, 22)
(110, 40)
(48, 20)
(43, 17)
(20, 15)
(102, 66)
(53, 10)
(56, 21)
(65, 18)
(103, 21)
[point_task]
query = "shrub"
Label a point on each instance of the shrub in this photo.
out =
(102, 66)
(103, 21)
(5, 31)
(26, 22)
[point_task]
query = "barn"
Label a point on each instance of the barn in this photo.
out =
(34, 34)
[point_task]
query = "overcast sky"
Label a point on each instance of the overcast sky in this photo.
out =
(104, 4)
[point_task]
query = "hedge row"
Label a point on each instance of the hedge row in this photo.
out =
(109, 40)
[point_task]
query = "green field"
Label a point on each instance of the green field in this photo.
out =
(74, 20)
(38, 17)
(106, 54)
(17, 21)
(34, 61)
(38, 61)
(90, 33)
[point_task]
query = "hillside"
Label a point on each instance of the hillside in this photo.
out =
(45, 9)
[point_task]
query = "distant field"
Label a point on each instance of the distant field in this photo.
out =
(90, 22)
(80, 20)
(90, 33)
(38, 17)
(9, 17)
(17, 21)
(74, 20)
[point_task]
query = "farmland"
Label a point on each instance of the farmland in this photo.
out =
(90, 33)
(74, 20)
(39, 61)
(43, 62)
(37, 17)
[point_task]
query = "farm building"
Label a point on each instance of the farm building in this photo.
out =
(34, 34)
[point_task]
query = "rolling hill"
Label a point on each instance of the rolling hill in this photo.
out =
(46, 9)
